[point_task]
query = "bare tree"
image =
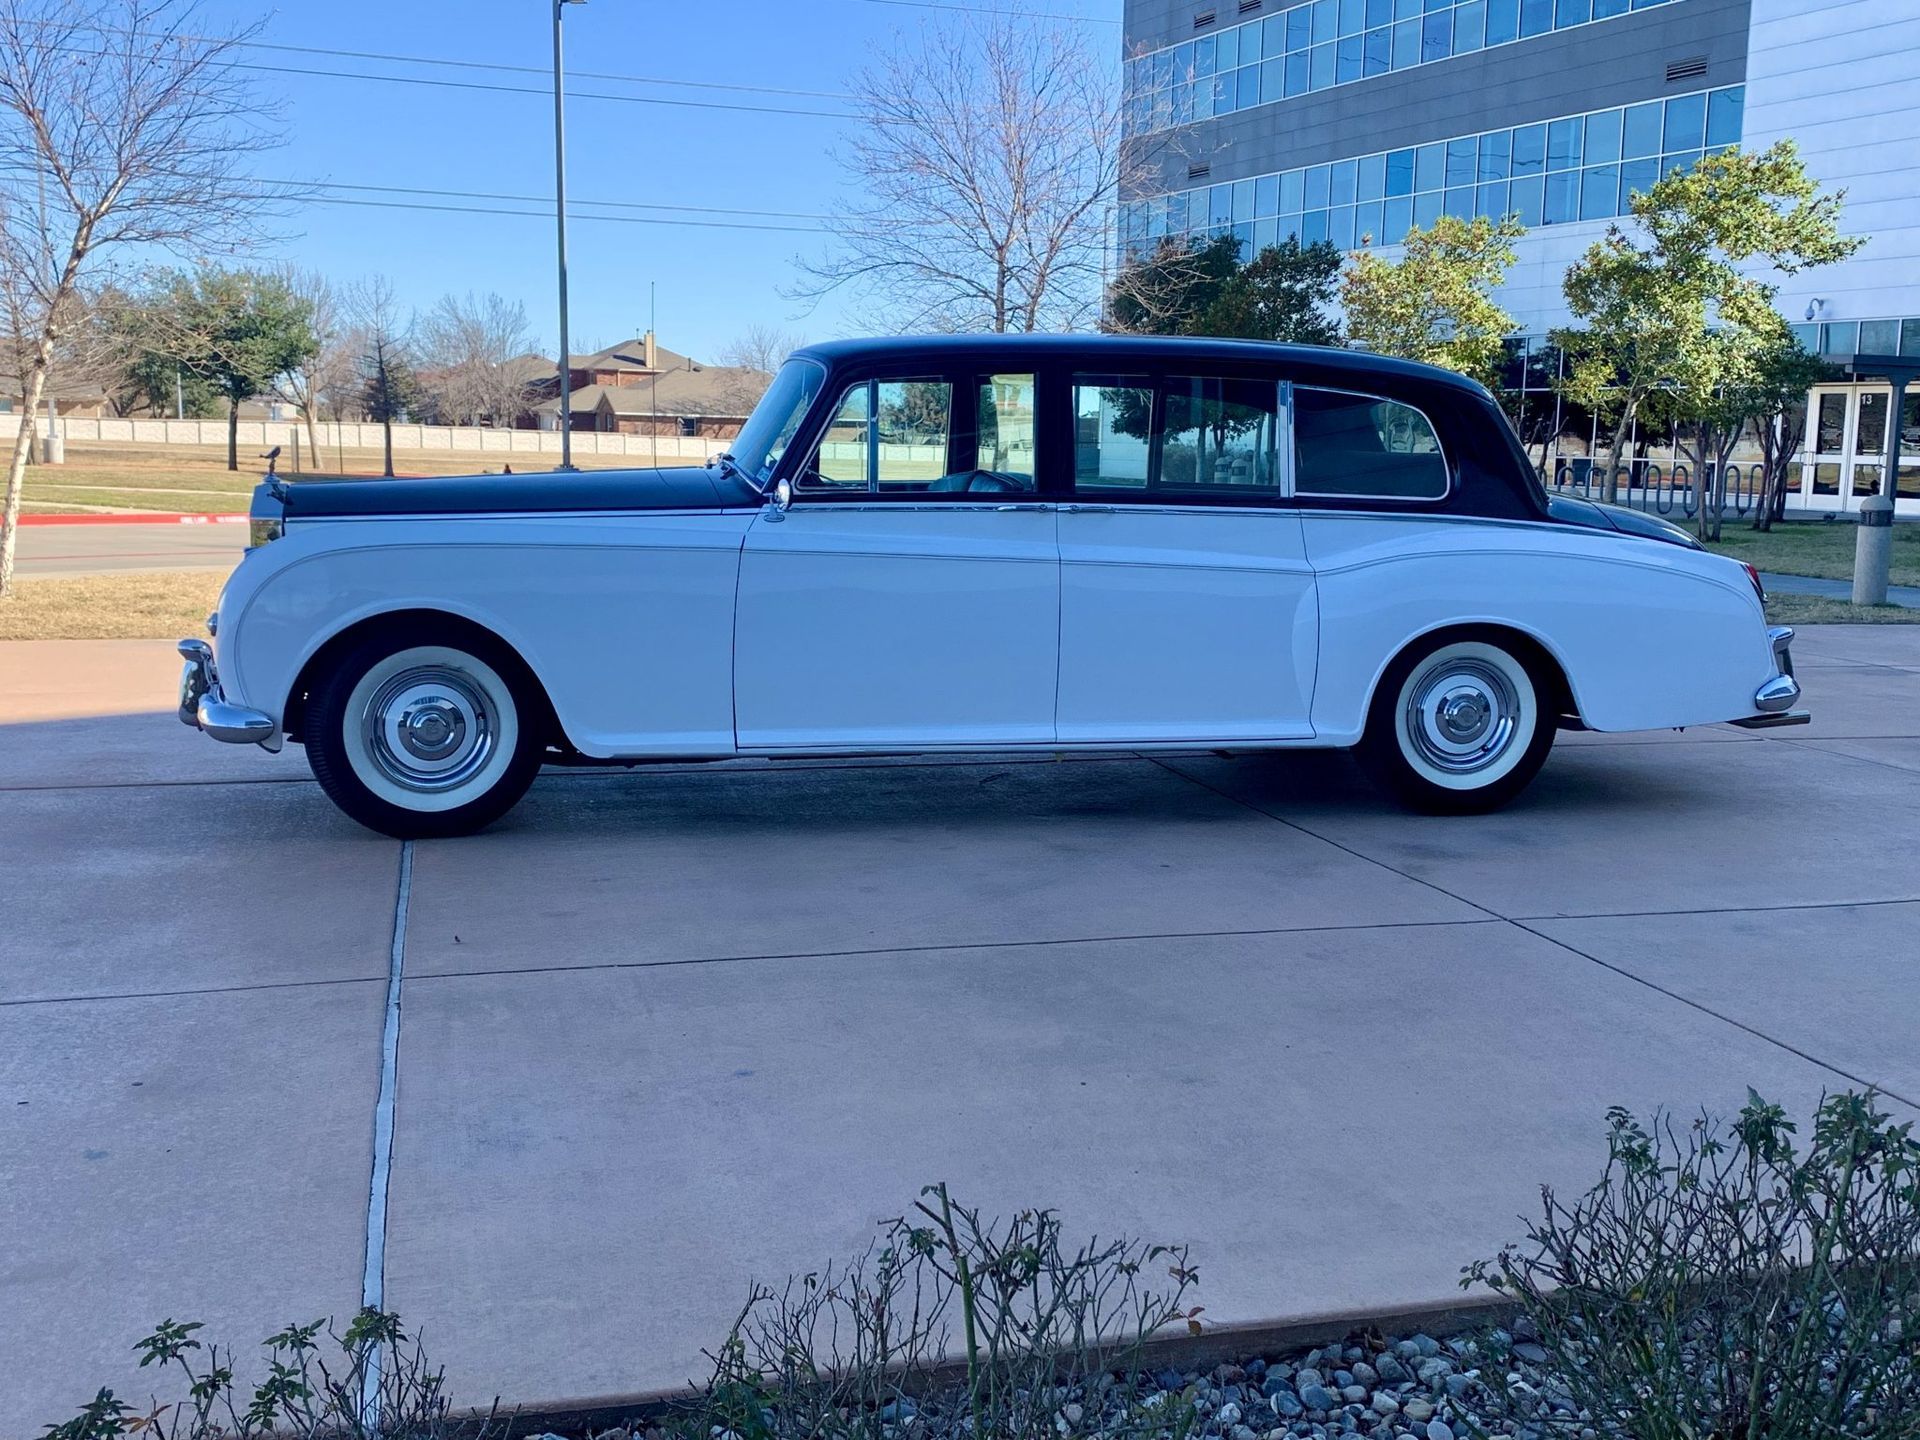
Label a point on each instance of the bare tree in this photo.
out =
(760, 347)
(121, 129)
(988, 154)
(471, 354)
(389, 388)
(327, 376)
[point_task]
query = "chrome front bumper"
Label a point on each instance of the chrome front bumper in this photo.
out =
(203, 707)
(1774, 700)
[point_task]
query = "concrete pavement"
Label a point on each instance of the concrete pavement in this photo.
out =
(668, 1031)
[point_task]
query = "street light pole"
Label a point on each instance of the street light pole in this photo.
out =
(560, 226)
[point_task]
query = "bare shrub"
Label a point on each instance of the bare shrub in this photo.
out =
(990, 1328)
(1719, 1283)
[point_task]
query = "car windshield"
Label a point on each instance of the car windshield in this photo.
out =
(769, 430)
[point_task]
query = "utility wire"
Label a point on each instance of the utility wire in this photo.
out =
(1005, 12)
(547, 215)
(450, 63)
(547, 200)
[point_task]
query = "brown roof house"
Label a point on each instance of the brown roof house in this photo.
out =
(640, 388)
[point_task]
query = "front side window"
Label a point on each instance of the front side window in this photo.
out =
(1362, 446)
(886, 437)
(1182, 438)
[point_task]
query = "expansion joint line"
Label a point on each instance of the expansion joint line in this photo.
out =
(373, 1282)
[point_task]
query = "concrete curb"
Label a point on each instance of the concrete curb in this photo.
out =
(1215, 1346)
(141, 517)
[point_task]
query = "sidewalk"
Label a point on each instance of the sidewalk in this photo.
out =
(666, 1032)
(1905, 596)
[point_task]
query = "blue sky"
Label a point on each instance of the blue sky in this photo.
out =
(712, 282)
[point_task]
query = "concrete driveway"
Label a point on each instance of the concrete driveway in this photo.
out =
(665, 1032)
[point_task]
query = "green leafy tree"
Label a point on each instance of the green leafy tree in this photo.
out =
(1284, 293)
(1200, 287)
(1167, 291)
(1772, 401)
(1435, 304)
(1667, 318)
(237, 331)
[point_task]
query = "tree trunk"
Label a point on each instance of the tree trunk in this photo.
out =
(17, 468)
(313, 436)
(1610, 482)
(386, 431)
(233, 433)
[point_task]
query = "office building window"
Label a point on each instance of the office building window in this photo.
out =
(1314, 44)
(1578, 167)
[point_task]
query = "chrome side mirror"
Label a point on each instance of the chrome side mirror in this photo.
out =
(779, 500)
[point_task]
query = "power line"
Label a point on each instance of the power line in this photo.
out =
(1004, 12)
(531, 90)
(479, 85)
(450, 63)
(572, 203)
(548, 215)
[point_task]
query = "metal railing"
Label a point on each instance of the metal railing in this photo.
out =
(1657, 489)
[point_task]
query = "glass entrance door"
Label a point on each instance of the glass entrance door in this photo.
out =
(1846, 447)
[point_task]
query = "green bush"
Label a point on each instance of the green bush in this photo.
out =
(1720, 1284)
(370, 1383)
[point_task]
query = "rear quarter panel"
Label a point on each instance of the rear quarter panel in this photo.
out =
(1650, 635)
(627, 619)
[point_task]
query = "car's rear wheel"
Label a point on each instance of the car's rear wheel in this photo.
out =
(417, 733)
(1458, 726)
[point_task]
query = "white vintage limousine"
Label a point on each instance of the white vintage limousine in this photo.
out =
(1043, 543)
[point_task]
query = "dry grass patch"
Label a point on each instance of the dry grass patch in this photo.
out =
(160, 605)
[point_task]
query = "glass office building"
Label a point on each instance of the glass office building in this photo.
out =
(1352, 120)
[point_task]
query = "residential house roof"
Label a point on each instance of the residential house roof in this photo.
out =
(711, 391)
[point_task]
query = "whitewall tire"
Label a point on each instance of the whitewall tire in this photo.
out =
(416, 734)
(1460, 726)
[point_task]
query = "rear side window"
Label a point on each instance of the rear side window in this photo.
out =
(1181, 438)
(1362, 446)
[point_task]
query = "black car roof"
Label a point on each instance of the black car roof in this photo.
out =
(1117, 349)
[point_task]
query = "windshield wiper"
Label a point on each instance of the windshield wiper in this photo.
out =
(726, 461)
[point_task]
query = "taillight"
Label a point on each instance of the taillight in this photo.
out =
(1754, 575)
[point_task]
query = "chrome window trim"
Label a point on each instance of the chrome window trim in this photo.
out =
(1446, 462)
(872, 386)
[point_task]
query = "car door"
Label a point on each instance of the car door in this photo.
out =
(910, 595)
(1187, 605)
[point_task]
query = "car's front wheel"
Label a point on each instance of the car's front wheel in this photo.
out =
(1458, 727)
(417, 734)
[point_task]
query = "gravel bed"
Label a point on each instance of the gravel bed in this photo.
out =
(1411, 1387)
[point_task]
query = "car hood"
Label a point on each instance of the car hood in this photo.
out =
(1595, 516)
(680, 488)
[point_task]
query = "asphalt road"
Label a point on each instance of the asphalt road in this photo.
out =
(666, 1032)
(51, 551)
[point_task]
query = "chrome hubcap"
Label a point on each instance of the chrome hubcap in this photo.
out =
(429, 728)
(1462, 715)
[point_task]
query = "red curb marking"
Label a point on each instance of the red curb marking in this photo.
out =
(140, 518)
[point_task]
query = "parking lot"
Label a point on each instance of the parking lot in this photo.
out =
(663, 1032)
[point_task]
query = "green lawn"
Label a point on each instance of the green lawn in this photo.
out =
(1822, 548)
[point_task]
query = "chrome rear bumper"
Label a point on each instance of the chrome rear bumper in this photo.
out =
(204, 708)
(1774, 700)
